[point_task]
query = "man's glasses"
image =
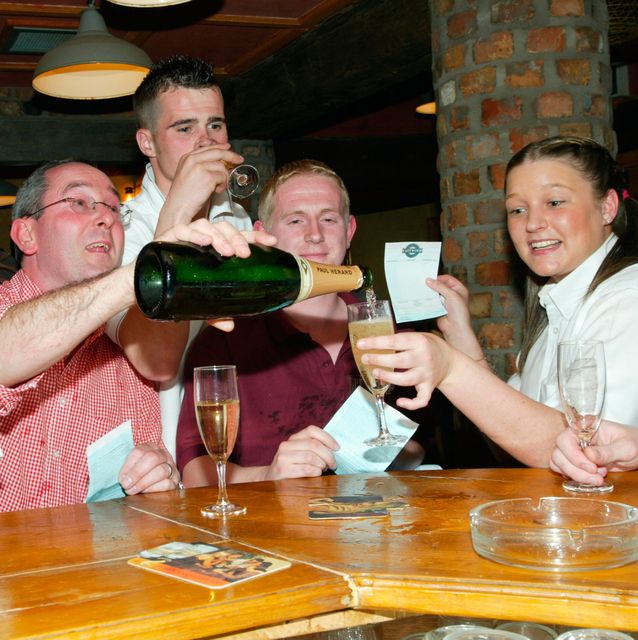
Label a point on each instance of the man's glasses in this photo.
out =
(87, 208)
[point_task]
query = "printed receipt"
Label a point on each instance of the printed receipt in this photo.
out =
(106, 457)
(407, 265)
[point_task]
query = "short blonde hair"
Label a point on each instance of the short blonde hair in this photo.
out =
(298, 168)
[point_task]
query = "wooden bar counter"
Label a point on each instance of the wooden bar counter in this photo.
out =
(64, 571)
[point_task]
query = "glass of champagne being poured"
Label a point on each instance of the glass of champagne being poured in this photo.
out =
(217, 410)
(581, 381)
(366, 320)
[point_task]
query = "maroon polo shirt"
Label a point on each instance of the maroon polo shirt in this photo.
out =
(286, 382)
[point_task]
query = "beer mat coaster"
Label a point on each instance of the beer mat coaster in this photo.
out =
(212, 566)
(357, 506)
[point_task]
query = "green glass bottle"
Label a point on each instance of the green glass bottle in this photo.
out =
(183, 281)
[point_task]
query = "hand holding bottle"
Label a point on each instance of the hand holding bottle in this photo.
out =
(221, 236)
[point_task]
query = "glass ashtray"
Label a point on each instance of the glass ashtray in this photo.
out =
(479, 633)
(531, 630)
(593, 634)
(443, 632)
(556, 534)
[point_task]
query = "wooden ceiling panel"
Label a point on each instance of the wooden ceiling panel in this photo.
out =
(234, 34)
(271, 8)
(221, 45)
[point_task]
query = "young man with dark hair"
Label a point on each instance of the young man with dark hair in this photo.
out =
(182, 130)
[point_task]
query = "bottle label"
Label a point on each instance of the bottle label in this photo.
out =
(318, 279)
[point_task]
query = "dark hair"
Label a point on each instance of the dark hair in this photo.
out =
(30, 194)
(170, 73)
(598, 167)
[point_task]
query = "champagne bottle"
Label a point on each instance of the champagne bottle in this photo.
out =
(183, 281)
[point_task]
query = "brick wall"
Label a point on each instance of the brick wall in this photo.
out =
(507, 72)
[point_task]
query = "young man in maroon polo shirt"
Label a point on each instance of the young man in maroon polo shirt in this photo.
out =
(295, 366)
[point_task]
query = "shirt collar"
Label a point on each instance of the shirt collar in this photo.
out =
(567, 294)
(22, 282)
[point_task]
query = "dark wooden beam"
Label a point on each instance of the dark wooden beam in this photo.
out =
(366, 48)
(32, 140)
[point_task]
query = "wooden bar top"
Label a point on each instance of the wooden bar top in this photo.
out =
(66, 569)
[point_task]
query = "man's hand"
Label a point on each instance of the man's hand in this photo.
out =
(148, 468)
(306, 453)
(222, 236)
(200, 173)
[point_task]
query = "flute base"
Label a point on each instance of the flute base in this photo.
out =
(221, 510)
(384, 439)
(571, 486)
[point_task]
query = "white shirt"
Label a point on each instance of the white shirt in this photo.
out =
(146, 209)
(609, 314)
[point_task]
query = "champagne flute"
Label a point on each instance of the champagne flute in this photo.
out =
(217, 411)
(366, 320)
(581, 381)
(243, 180)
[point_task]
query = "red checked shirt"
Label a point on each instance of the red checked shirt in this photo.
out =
(46, 423)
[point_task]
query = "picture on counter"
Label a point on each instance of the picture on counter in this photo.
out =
(207, 565)
(357, 506)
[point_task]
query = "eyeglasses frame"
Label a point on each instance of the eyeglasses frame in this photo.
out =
(124, 213)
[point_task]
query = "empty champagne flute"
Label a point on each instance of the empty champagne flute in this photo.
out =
(581, 381)
(243, 180)
(217, 410)
(366, 320)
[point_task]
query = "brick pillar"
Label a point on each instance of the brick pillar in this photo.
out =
(507, 72)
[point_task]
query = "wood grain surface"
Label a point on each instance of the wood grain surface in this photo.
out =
(64, 571)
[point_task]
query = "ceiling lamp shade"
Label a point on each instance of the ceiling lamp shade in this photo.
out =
(148, 3)
(91, 65)
(427, 108)
(7, 193)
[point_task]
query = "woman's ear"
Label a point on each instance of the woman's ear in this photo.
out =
(610, 206)
(24, 236)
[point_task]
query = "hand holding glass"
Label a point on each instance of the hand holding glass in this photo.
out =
(366, 320)
(217, 411)
(581, 380)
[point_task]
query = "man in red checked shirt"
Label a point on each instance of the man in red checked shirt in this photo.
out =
(63, 383)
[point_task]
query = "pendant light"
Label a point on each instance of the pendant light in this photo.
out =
(148, 3)
(91, 65)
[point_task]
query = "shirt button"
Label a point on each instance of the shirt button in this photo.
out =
(62, 401)
(555, 330)
(55, 454)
